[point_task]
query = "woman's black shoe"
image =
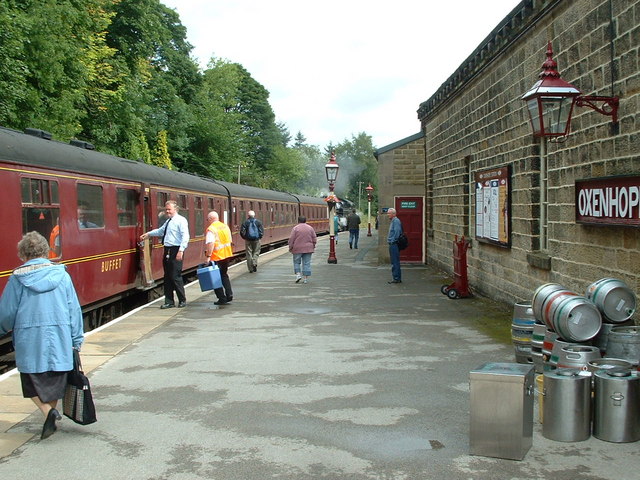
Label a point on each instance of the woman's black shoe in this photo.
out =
(49, 427)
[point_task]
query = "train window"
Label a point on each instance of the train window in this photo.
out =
(199, 213)
(127, 207)
(55, 198)
(182, 206)
(161, 199)
(38, 191)
(210, 204)
(38, 214)
(90, 208)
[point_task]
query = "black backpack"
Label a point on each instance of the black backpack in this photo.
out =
(403, 241)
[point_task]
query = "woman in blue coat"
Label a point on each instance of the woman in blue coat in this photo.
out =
(40, 306)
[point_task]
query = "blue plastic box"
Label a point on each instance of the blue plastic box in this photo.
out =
(209, 278)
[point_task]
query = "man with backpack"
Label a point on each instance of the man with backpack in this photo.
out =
(252, 231)
(395, 229)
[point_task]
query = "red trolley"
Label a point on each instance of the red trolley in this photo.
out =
(460, 287)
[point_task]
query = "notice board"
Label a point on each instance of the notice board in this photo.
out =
(493, 206)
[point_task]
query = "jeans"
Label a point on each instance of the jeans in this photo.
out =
(305, 259)
(353, 237)
(394, 253)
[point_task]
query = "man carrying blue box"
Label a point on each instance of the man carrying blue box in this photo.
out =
(218, 249)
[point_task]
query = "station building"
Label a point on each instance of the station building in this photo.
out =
(537, 209)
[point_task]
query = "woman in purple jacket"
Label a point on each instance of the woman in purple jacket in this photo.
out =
(302, 243)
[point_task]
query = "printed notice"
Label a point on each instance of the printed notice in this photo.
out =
(492, 206)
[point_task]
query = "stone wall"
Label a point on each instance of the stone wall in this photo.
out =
(477, 120)
(400, 173)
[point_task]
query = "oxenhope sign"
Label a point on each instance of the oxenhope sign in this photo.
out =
(608, 200)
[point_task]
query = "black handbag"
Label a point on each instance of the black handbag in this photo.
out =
(77, 403)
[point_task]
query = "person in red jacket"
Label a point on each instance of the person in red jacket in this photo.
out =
(302, 243)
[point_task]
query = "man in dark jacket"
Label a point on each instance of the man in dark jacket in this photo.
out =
(252, 231)
(353, 225)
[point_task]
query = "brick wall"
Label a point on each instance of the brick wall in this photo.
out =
(477, 120)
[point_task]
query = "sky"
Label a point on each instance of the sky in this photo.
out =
(336, 68)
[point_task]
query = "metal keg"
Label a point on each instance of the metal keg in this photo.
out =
(523, 315)
(616, 415)
(537, 336)
(549, 339)
(576, 319)
(602, 338)
(523, 353)
(606, 363)
(558, 345)
(624, 342)
(567, 405)
(540, 295)
(577, 356)
(615, 300)
(538, 359)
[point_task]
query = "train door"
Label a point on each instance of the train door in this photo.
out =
(146, 272)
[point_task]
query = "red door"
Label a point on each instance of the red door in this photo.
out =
(410, 213)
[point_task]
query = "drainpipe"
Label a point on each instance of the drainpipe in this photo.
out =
(543, 193)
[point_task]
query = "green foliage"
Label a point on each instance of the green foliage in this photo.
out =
(358, 166)
(160, 155)
(118, 73)
(138, 148)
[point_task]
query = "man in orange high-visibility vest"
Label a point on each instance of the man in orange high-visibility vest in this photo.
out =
(218, 249)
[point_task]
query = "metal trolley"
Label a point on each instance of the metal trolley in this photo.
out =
(460, 286)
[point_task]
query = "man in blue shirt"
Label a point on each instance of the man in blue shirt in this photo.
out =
(395, 229)
(175, 238)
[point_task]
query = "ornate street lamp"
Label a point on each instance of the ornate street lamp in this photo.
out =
(369, 190)
(331, 170)
(550, 102)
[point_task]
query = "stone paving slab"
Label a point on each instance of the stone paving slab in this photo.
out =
(345, 377)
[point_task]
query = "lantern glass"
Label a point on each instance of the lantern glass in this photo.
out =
(556, 112)
(534, 114)
(332, 171)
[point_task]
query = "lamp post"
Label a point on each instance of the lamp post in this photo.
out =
(550, 102)
(331, 170)
(369, 190)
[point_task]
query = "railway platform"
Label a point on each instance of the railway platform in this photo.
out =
(345, 377)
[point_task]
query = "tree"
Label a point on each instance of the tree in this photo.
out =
(357, 164)
(160, 156)
(161, 82)
(138, 148)
(52, 53)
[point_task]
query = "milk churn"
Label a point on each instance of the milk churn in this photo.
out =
(567, 405)
(616, 405)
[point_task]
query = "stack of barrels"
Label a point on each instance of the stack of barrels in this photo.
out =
(588, 349)
(561, 328)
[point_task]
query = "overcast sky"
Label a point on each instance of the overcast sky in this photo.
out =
(335, 68)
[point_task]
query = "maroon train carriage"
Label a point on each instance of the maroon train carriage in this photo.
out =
(93, 207)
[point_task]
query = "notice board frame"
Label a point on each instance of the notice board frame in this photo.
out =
(492, 188)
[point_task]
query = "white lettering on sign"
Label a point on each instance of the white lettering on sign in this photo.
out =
(610, 202)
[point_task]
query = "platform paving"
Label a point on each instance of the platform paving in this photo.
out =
(346, 377)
